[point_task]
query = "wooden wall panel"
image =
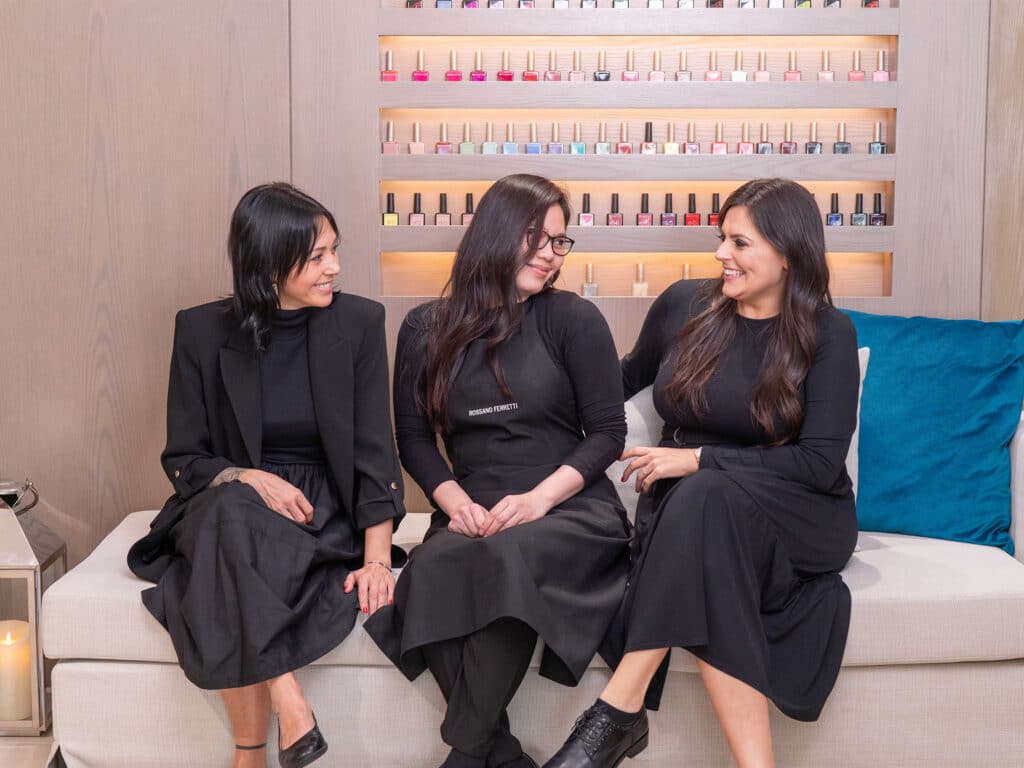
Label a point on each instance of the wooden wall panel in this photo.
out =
(130, 131)
(1002, 276)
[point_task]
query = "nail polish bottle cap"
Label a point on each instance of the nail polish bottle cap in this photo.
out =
(624, 132)
(420, 60)
(388, 60)
(533, 133)
(555, 133)
(858, 203)
(453, 60)
(739, 61)
(877, 132)
(746, 131)
(792, 61)
(691, 133)
(417, 202)
(648, 132)
(856, 61)
(691, 202)
(510, 132)
(787, 131)
(657, 61)
(552, 60)
(478, 61)
(504, 60)
(416, 133)
(529, 61)
(576, 61)
(601, 59)
(444, 133)
(682, 60)
(718, 132)
(615, 202)
(577, 132)
(714, 203)
(825, 61)
(762, 61)
(391, 202)
(686, 271)
(713, 61)
(814, 131)
(671, 133)
(489, 132)
(442, 206)
(586, 202)
(469, 202)
(881, 61)
(841, 131)
(630, 60)
(602, 133)
(764, 132)
(590, 273)
(389, 132)
(878, 202)
(835, 202)
(644, 198)
(465, 132)
(668, 202)
(639, 273)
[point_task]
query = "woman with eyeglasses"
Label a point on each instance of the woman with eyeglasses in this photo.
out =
(528, 537)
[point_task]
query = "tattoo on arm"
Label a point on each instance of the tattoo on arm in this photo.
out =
(226, 476)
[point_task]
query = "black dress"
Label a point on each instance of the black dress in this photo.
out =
(740, 561)
(246, 594)
(564, 574)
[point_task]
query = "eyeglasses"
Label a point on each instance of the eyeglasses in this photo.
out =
(560, 244)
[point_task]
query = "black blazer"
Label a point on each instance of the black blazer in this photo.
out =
(214, 413)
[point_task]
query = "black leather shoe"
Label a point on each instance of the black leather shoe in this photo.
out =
(597, 741)
(523, 761)
(309, 747)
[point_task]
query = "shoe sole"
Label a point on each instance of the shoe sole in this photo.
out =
(638, 746)
(317, 755)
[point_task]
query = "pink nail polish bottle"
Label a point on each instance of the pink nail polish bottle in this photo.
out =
(787, 146)
(856, 74)
(530, 74)
(417, 218)
(625, 146)
(645, 218)
(416, 146)
(420, 75)
(629, 74)
(614, 218)
(453, 75)
(390, 146)
(443, 146)
(656, 75)
(713, 74)
(718, 146)
(552, 75)
(389, 74)
(881, 74)
(762, 75)
(826, 72)
(792, 75)
(683, 74)
(745, 146)
(577, 75)
(505, 75)
(692, 146)
(478, 75)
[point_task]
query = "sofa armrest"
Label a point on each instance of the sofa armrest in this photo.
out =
(1017, 490)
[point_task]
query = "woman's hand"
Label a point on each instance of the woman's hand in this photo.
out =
(514, 510)
(376, 586)
(468, 519)
(651, 464)
(280, 495)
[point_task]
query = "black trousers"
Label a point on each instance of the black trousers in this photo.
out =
(478, 675)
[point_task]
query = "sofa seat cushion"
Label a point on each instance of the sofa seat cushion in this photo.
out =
(915, 601)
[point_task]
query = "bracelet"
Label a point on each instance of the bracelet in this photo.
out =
(381, 563)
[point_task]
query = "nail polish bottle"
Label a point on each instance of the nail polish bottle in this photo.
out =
(787, 146)
(602, 146)
(389, 74)
(577, 75)
(416, 147)
(589, 287)
(881, 74)
(671, 145)
(746, 4)
(577, 147)
(629, 74)
(648, 147)
(620, 3)
(716, 4)
(555, 146)
(668, 218)
(718, 146)
(858, 218)
(869, 4)
(561, 4)
(877, 146)
(842, 146)
(813, 146)
(802, 4)
(510, 147)
(479, 74)
(533, 147)
(420, 75)
(552, 75)
(505, 74)
(655, 3)
(614, 217)
(738, 75)
(713, 74)
(467, 217)
(467, 147)
(530, 74)
(625, 146)
(833, 3)
(417, 217)
(692, 146)
(640, 285)
(601, 74)
(390, 146)
(856, 74)
(443, 146)
(443, 4)
(792, 74)
(413, 3)
(657, 74)
(834, 217)
(762, 75)
(713, 216)
(877, 218)
(588, 3)
(644, 218)
(765, 147)
(683, 74)
(470, 3)
(586, 218)
(495, 3)
(390, 218)
(826, 72)
(687, 4)
(490, 146)
(745, 146)
(692, 218)
(527, 3)
(442, 218)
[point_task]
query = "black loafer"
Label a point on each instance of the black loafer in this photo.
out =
(309, 747)
(597, 741)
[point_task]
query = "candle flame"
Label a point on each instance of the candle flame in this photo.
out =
(8, 640)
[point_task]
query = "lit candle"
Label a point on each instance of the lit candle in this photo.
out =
(15, 671)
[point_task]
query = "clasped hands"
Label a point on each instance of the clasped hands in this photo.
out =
(652, 464)
(475, 521)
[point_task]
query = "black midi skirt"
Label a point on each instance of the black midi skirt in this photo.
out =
(741, 569)
(563, 575)
(246, 594)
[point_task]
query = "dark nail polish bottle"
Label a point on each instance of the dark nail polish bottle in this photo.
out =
(858, 218)
(442, 218)
(877, 146)
(644, 218)
(615, 218)
(878, 217)
(586, 218)
(417, 217)
(842, 146)
(713, 216)
(668, 218)
(834, 218)
(813, 147)
(390, 218)
(692, 218)
(467, 217)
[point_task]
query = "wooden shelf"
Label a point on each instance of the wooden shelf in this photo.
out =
(640, 21)
(628, 239)
(860, 167)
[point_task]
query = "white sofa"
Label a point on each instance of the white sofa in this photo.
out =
(933, 674)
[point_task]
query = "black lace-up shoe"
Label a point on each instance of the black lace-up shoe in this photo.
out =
(597, 741)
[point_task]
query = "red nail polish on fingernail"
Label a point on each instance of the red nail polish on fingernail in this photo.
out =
(391, 602)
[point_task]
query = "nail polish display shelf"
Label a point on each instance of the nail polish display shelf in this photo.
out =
(640, 21)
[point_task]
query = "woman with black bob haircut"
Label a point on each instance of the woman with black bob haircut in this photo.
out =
(287, 485)
(748, 514)
(528, 536)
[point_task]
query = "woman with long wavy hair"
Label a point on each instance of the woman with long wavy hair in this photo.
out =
(747, 515)
(528, 536)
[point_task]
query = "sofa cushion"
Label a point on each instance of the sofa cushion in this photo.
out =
(915, 601)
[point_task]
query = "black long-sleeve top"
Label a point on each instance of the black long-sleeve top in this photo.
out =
(730, 437)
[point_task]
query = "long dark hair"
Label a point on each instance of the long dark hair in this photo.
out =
(480, 299)
(273, 231)
(788, 218)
